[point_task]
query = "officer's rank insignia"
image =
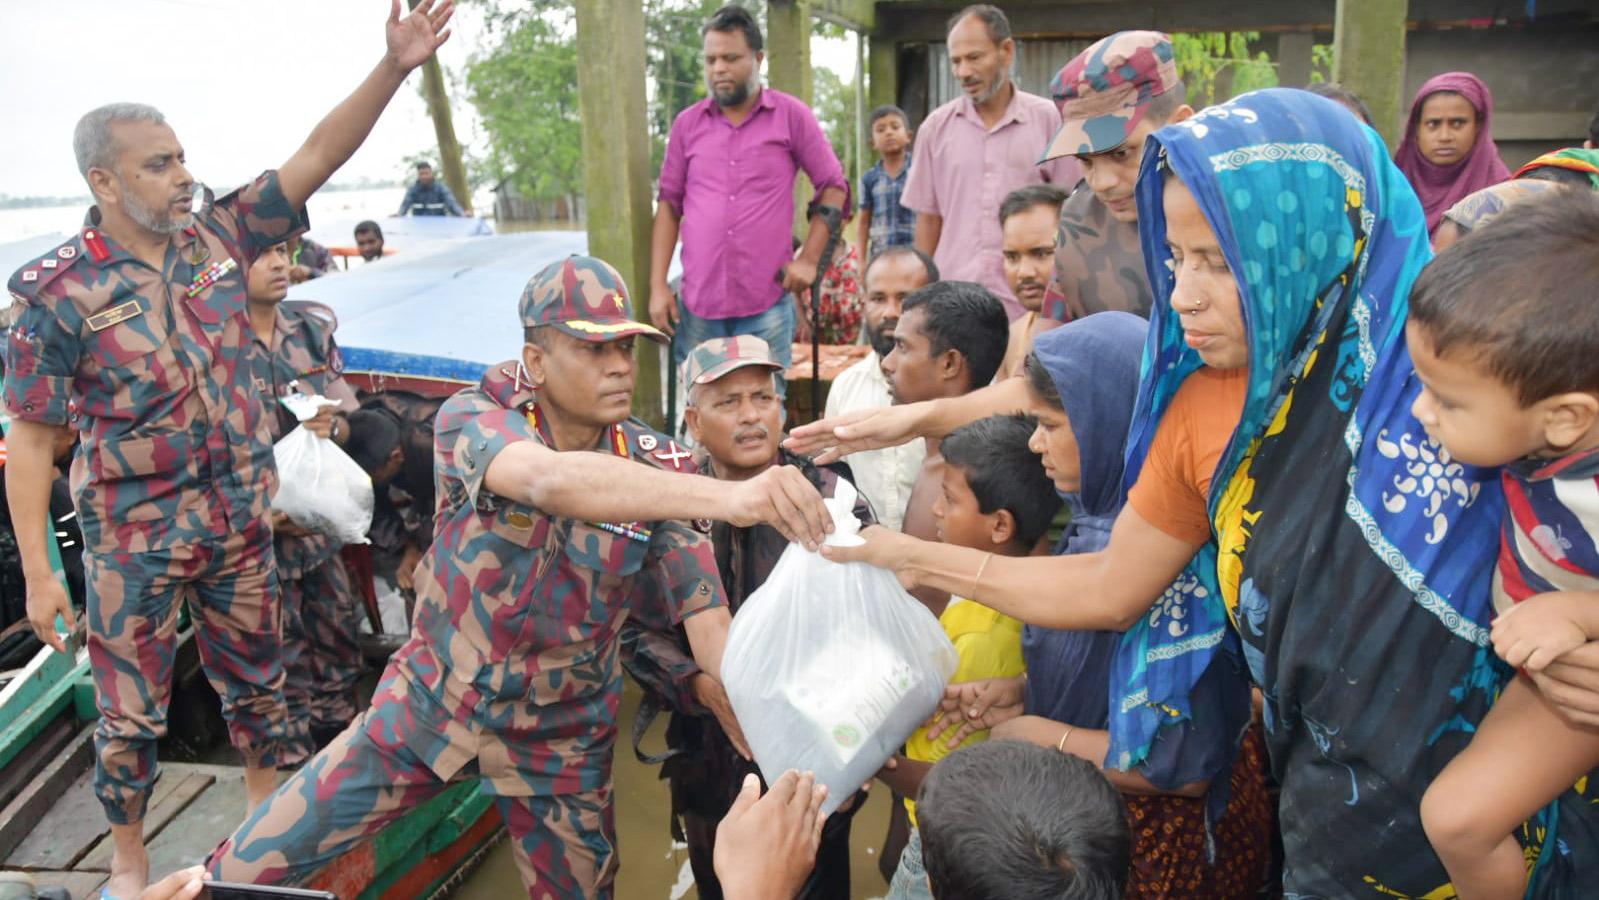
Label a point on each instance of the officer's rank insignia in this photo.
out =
(30, 276)
(647, 442)
(633, 531)
(210, 275)
(49, 263)
(518, 520)
(122, 312)
(673, 454)
(67, 252)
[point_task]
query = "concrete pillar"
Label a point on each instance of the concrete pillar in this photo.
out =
(788, 69)
(882, 65)
(616, 163)
(1369, 59)
(1294, 58)
(863, 141)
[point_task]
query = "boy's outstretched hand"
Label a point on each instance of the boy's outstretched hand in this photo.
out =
(413, 39)
(766, 846)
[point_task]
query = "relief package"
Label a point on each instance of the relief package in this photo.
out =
(320, 487)
(831, 666)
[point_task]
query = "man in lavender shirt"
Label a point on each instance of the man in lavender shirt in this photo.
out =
(974, 150)
(727, 184)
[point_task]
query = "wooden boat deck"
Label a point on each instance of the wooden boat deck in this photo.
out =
(55, 829)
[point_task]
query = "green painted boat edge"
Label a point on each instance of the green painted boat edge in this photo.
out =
(423, 832)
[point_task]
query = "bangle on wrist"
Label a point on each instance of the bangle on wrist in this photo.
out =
(1061, 746)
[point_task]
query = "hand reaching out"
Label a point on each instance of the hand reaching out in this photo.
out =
(971, 706)
(766, 846)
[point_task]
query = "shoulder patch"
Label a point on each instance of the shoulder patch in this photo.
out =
(311, 311)
(31, 278)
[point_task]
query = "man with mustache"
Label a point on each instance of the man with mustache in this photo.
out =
(977, 148)
(1028, 220)
(140, 322)
(727, 186)
(885, 477)
(1111, 96)
(736, 417)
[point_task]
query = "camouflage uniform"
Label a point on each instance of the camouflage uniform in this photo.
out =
(173, 473)
(321, 658)
(1103, 94)
(704, 770)
(510, 676)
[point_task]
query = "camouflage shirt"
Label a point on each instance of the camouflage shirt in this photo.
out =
(302, 358)
(1099, 262)
(174, 447)
(512, 660)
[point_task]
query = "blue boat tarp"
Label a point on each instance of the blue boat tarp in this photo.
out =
(401, 232)
(447, 310)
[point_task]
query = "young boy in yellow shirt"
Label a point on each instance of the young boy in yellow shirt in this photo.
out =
(996, 497)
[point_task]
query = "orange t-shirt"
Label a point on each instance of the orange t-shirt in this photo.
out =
(1173, 488)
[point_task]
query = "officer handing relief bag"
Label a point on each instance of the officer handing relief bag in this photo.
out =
(319, 486)
(831, 666)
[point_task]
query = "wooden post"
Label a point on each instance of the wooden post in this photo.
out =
(883, 66)
(788, 69)
(616, 164)
(863, 141)
(1369, 59)
(438, 100)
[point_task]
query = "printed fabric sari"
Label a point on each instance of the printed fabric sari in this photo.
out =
(1350, 554)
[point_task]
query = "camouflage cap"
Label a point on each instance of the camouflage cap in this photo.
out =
(584, 297)
(1104, 91)
(719, 356)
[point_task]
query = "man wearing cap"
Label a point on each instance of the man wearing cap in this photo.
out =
(974, 150)
(139, 324)
(510, 676)
(735, 414)
(1111, 96)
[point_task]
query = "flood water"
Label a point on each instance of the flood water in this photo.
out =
(652, 869)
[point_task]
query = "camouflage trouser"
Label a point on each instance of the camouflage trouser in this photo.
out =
(230, 586)
(565, 845)
(321, 656)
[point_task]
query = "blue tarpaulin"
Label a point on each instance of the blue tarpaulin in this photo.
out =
(447, 310)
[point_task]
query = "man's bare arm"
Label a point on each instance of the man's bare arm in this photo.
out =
(833, 438)
(602, 488)
(410, 41)
(30, 450)
(929, 228)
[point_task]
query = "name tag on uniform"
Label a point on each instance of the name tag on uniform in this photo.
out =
(122, 312)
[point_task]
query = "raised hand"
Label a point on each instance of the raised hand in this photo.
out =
(766, 846)
(413, 39)
(782, 498)
(883, 548)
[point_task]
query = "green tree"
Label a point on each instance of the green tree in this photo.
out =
(526, 97)
(833, 101)
(1218, 65)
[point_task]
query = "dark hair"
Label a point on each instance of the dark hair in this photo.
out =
(1558, 175)
(424, 164)
(964, 317)
(732, 18)
(539, 335)
(884, 111)
(374, 436)
(1164, 105)
(1332, 90)
(369, 227)
(1025, 198)
(1518, 295)
(1593, 128)
(1003, 473)
(991, 16)
(899, 250)
(1009, 820)
(1039, 382)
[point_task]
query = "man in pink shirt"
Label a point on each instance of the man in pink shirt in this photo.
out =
(977, 148)
(727, 185)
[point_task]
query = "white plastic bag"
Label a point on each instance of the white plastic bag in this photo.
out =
(320, 487)
(831, 666)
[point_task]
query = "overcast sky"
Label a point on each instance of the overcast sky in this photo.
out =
(241, 81)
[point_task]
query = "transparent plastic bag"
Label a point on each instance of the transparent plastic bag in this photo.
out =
(320, 488)
(831, 666)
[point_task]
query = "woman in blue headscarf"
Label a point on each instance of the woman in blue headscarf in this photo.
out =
(1197, 805)
(1349, 554)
